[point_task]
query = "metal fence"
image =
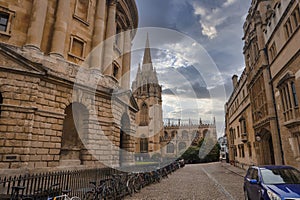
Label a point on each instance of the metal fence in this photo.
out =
(76, 180)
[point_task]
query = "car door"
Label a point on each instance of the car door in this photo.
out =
(255, 188)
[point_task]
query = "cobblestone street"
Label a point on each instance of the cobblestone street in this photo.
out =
(201, 181)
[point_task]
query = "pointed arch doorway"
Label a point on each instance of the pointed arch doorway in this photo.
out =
(266, 148)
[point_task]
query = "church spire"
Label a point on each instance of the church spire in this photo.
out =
(147, 54)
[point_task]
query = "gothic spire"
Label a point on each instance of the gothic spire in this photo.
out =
(147, 54)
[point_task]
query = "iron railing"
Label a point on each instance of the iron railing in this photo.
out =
(76, 180)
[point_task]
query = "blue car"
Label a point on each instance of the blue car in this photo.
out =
(272, 182)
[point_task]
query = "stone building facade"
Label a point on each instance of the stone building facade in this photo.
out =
(64, 92)
(282, 37)
(272, 67)
(178, 137)
(242, 146)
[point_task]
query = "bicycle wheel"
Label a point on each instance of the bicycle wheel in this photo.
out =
(129, 187)
(90, 195)
(75, 198)
(137, 185)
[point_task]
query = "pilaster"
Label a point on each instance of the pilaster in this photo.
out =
(60, 28)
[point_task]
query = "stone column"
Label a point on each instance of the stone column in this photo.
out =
(120, 46)
(60, 28)
(126, 61)
(37, 22)
(110, 39)
(99, 33)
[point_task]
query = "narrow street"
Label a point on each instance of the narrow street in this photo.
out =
(200, 181)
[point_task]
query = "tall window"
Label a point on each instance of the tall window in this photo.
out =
(249, 149)
(181, 146)
(6, 17)
(82, 10)
(115, 70)
(170, 148)
(288, 28)
(144, 145)
(144, 115)
(296, 16)
(243, 125)
(273, 51)
(296, 103)
(3, 21)
(289, 99)
(185, 135)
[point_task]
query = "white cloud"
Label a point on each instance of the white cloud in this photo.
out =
(210, 18)
(229, 3)
(210, 31)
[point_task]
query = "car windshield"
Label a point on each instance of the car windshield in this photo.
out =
(280, 176)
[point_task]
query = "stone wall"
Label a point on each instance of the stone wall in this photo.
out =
(35, 99)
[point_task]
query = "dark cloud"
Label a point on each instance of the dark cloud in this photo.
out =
(183, 82)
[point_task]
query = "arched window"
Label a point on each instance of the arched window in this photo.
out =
(170, 148)
(182, 146)
(144, 144)
(174, 134)
(205, 132)
(144, 116)
(166, 135)
(185, 135)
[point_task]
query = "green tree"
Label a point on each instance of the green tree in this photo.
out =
(209, 152)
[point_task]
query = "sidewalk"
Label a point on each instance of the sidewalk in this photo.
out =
(234, 169)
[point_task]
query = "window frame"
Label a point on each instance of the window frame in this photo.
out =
(77, 16)
(70, 53)
(288, 96)
(11, 15)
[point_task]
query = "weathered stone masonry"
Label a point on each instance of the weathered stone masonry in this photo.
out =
(33, 114)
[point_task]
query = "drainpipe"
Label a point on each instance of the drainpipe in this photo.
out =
(274, 104)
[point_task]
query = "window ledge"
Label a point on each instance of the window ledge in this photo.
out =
(73, 55)
(81, 20)
(5, 33)
(292, 123)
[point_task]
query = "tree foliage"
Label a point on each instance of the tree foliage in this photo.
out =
(206, 151)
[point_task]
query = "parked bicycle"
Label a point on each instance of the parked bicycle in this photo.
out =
(101, 191)
(17, 194)
(64, 196)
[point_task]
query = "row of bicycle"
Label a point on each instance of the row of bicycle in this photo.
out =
(120, 185)
(52, 193)
(115, 187)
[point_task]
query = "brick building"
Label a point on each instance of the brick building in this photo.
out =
(64, 93)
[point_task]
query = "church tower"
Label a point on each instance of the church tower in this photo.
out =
(147, 93)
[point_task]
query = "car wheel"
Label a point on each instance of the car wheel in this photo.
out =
(246, 195)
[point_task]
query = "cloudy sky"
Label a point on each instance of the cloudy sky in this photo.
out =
(196, 47)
